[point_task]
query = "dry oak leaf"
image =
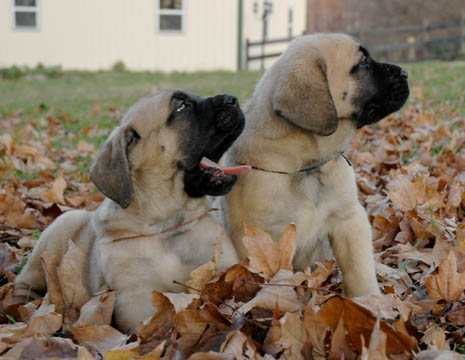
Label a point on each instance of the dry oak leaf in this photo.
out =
(448, 284)
(265, 255)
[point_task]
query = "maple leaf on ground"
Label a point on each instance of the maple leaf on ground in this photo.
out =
(360, 322)
(406, 194)
(265, 255)
(448, 284)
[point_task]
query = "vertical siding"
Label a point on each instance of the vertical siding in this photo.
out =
(94, 34)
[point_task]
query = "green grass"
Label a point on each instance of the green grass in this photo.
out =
(443, 83)
(74, 92)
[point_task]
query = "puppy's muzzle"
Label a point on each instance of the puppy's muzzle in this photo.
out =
(228, 116)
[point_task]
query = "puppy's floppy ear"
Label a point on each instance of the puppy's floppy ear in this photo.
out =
(110, 170)
(302, 97)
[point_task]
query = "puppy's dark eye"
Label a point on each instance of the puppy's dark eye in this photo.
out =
(181, 106)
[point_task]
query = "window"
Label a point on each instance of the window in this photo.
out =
(170, 15)
(25, 14)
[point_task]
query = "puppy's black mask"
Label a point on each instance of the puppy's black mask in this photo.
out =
(209, 128)
(383, 89)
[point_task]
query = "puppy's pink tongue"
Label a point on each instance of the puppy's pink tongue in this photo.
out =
(235, 170)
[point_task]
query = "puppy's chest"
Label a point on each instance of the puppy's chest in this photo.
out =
(305, 201)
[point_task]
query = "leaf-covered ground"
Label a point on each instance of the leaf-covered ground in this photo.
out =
(411, 175)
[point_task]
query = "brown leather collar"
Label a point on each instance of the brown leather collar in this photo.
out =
(301, 171)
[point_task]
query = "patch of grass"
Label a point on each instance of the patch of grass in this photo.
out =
(76, 91)
(436, 149)
(26, 176)
(442, 83)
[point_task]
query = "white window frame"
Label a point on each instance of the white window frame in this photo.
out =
(159, 12)
(34, 9)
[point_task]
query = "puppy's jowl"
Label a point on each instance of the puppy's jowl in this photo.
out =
(154, 226)
(303, 114)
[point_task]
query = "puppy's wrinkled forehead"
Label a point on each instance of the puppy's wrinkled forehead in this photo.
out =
(335, 47)
(150, 112)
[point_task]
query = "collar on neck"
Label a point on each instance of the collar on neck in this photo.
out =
(173, 228)
(301, 171)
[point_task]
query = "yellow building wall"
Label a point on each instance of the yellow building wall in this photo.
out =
(94, 34)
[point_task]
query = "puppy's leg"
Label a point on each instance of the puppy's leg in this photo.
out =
(132, 306)
(351, 241)
(30, 283)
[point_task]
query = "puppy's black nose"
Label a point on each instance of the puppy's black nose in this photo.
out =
(230, 100)
(404, 73)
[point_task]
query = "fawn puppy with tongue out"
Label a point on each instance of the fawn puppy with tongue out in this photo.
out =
(155, 225)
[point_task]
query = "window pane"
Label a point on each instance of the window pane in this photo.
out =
(25, 2)
(27, 19)
(171, 22)
(171, 4)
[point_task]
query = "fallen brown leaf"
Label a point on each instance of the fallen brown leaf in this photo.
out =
(448, 284)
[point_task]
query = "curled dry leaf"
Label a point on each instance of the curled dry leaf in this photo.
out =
(71, 277)
(55, 193)
(279, 293)
(98, 310)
